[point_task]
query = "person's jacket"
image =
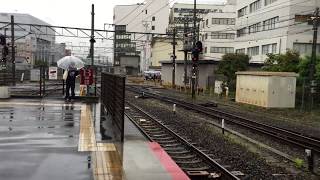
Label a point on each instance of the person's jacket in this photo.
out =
(72, 74)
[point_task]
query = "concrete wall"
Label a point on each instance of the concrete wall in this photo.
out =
(205, 70)
(162, 50)
(272, 90)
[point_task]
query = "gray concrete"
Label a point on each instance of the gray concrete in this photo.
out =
(40, 142)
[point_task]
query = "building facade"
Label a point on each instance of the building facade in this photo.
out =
(182, 13)
(32, 44)
(162, 50)
(149, 17)
(271, 26)
(217, 32)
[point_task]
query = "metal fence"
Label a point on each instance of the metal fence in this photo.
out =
(113, 99)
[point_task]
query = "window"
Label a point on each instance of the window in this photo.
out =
(241, 51)
(146, 11)
(205, 50)
(222, 35)
(305, 48)
(206, 36)
(242, 12)
(269, 48)
(153, 18)
(224, 21)
(253, 51)
(267, 2)
(207, 22)
(270, 23)
(255, 6)
(222, 50)
(241, 32)
(153, 28)
(254, 28)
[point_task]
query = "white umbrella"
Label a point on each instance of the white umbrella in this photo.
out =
(68, 61)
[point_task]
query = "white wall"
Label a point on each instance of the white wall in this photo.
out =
(228, 11)
(138, 18)
(285, 32)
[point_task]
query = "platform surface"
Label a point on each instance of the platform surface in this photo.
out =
(51, 139)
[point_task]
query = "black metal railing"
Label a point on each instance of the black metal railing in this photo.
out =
(113, 99)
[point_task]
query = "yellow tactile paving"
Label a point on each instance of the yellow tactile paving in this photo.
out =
(105, 158)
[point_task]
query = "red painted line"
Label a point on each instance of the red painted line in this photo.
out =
(166, 161)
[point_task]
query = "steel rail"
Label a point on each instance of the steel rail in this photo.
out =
(284, 135)
(225, 173)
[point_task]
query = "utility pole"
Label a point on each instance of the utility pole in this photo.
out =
(174, 58)
(194, 66)
(13, 53)
(185, 50)
(315, 20)
(92, 41)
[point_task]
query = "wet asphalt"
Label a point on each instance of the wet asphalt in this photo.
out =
(39, 142)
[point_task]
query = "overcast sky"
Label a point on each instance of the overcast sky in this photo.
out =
(72, 12)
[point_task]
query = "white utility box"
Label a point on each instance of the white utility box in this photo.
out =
(267, 89)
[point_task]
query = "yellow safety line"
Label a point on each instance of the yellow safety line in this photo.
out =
(105, 158)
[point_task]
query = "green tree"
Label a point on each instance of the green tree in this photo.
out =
(39, 63)
(287, 62)
(304, 67)
(230, 64)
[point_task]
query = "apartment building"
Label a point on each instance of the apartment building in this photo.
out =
(182, 13)
(272, 26)
(217, 32)
(149, 17)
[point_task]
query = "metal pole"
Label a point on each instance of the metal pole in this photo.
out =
(174, 59)
(92, 41)
(194, 45)
(13, 53)
(5, 60)
(313, 57)
(92, 36)
(185, 55)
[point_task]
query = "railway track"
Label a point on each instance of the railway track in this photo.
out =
(281, 134)
(192, 159)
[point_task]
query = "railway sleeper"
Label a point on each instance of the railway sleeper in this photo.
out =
(167, 141)
(163, 138)
(156, 133)
(190, 156)
(160, 135)
(177, 152)
(174, 148)
(202, 168)
(197, 161)
(171, 145)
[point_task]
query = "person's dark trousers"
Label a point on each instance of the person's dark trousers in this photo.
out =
(70, 85)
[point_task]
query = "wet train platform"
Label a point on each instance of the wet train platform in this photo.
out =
(52, 139)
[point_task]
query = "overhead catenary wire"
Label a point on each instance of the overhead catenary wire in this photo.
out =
(138, 5)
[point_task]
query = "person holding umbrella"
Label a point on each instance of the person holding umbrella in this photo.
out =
(71, 81)
(71, 64)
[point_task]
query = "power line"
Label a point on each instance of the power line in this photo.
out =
(138, 5)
